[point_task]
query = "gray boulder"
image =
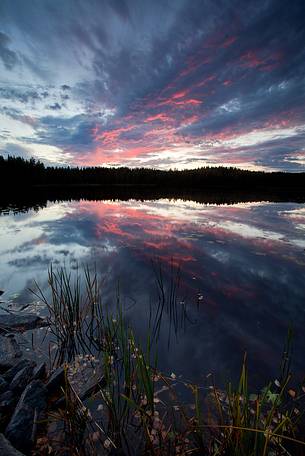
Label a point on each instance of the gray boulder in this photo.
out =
(7, 401)
(10, 374)
(20, 322)
(3, 384)
(32, 405)
(6, 396)
(10, 352)
(21, 379)
(6, 449)
(56, 381)
(40, 372)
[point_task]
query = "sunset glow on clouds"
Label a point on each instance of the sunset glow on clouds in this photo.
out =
(166, 84)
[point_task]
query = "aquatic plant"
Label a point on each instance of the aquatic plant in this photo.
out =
(134, 408)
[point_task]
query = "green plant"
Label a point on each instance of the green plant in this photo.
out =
(141, 412)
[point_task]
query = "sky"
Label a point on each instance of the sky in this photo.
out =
(163, 83)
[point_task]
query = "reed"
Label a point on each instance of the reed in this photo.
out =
(140, 411)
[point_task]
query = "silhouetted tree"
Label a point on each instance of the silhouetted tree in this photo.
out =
(19, 172)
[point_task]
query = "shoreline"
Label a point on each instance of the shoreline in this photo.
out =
(40, 195)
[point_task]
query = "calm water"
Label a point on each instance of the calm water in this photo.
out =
(242, 273)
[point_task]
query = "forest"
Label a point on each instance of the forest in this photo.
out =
(19, 172)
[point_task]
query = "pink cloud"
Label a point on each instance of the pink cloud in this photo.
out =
(258, 60)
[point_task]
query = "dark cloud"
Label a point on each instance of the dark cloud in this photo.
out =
(64, 132)
(22, 95)
(15, 150)
(170, 73)
(55, 107)
(121, 8)
(8, 57)
(34, 261)
(18, 115)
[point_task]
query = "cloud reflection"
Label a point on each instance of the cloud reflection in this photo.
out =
(242, 268)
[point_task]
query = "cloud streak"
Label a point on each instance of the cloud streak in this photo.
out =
(210, 84)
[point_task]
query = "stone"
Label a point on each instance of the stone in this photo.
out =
(40, 372)
(21, 379)
(20, 322)
(7, 401)
(32, 405)
(3, 384)
(116, 452)
(10, 352)
(10, 374)
(6, 396)
(56, 381)
(6, 449)
(83, 394)
(100, 384)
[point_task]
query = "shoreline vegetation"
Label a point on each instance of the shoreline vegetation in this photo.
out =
(130, 407)
(16, 171)
(28, 184)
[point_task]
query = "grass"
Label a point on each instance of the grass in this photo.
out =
(139, 410)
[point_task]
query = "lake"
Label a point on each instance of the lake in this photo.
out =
(232, 275)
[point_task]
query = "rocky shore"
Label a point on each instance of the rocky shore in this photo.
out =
(26, 389)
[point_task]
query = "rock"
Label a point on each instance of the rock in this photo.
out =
(9, 352)
(6, 396)
(116, 452)
(6, 449)
(101, 384)
(40, 372)
(10, 374)
(20, 322)
(32, 405)
(5, 366)
(84, 394)
(7, 401)
(1, 292)
(3, 384)
(56, 381)
(21, 379)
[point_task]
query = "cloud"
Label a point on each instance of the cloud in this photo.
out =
(121, 8)
(46, 153)
(110, 82)
(8, 57)
(22, 95)
(17, 114)
(55, 106)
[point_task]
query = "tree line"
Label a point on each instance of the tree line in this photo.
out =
(17, 171)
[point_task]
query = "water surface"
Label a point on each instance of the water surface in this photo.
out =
(241, 269)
